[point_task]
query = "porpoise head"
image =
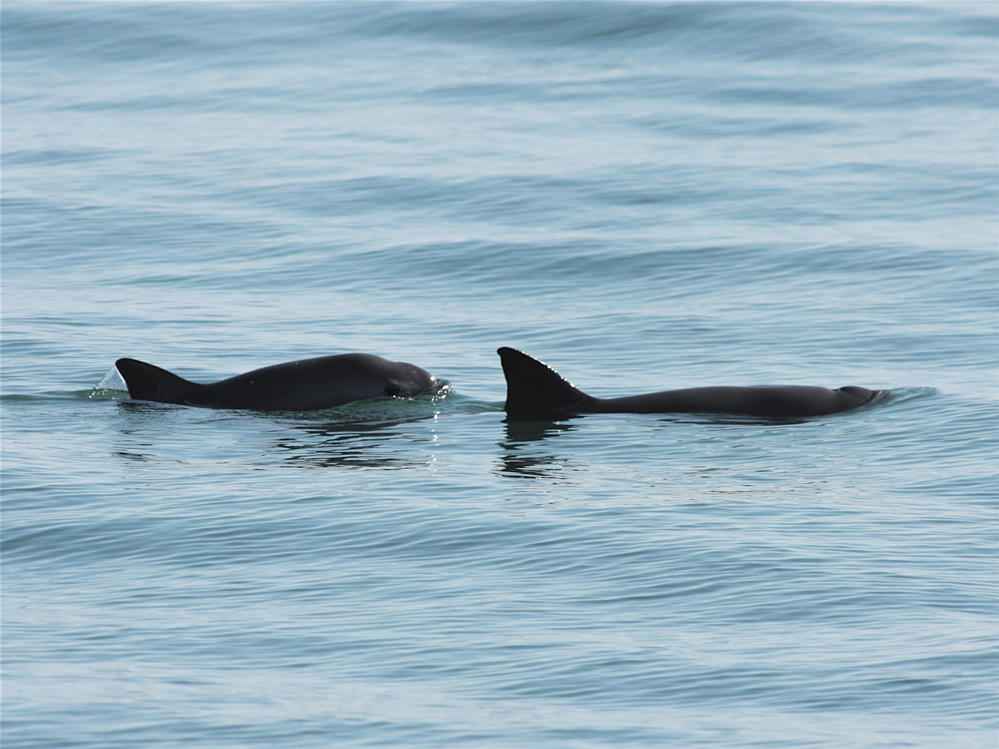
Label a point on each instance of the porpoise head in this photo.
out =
(862, 396)
(410, 379)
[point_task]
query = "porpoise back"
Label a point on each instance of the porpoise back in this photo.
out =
(305, 385)
(536, 391)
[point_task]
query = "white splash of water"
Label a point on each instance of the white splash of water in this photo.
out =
(111, 386)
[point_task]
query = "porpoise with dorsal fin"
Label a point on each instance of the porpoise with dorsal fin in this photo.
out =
(536, 391)
(305, 385)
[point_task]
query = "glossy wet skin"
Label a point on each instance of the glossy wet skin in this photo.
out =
(308, 384)
(535, 390)
(774, 401)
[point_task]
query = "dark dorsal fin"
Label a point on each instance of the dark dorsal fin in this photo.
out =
(535, 390)
(150, 383)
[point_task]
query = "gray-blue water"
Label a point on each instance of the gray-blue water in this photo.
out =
(645, 197)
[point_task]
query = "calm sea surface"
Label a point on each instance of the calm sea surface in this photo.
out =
(645, 196)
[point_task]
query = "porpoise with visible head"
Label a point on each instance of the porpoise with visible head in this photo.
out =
(536, 391)
(306, 385)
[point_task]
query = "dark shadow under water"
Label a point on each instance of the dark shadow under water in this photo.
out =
(520, 456)
(374, 433)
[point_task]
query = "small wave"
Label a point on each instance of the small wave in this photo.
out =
(904, 394)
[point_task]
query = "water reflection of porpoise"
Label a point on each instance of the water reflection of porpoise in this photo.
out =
(305, 385)
(536, 391)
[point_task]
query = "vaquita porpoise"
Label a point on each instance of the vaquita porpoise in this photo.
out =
(536, 391)
(306, 385)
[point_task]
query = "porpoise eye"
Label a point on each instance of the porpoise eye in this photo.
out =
(393, 388)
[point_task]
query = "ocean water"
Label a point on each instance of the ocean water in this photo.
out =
(646, 196)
